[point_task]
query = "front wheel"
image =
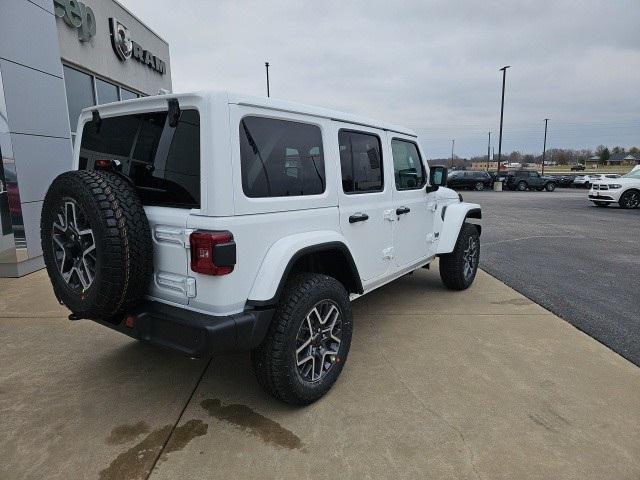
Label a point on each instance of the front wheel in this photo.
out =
(630, 199)
(550, 187)
(479, 186)
(308, 340)
(458, 269)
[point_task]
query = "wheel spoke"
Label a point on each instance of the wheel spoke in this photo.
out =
(303, 346)
(331, 311)
(305, 360)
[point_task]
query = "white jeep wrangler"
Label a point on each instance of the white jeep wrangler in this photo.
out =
(213, 222)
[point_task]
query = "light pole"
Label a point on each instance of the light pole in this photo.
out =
(266, 64)
(544, 148)
(489, 152)
(453, 142)
(504, 78)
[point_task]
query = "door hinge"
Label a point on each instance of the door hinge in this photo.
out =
(169, 234)
(389, 215)
(387, 253)
(186, 286)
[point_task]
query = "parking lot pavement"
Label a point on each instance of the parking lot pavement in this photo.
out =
(439, 384)
(579, 261)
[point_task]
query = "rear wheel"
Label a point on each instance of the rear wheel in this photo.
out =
(522, 186)
(458, 269)
(630, 199)
(308, 340)
(479, 186)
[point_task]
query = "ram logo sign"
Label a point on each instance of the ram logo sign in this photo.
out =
(126, 48)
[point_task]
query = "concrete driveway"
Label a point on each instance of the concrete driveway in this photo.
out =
(439, 384)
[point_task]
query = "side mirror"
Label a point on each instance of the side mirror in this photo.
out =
(437, 178)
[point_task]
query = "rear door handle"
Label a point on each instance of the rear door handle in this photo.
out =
(402, 210)
(358, 217)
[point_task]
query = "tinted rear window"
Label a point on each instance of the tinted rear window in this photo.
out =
(163, 162)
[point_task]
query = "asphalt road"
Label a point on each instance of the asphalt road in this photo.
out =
(577, 260)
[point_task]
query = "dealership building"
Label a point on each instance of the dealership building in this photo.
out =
(56, 58)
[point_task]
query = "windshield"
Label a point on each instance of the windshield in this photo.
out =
(633, 174)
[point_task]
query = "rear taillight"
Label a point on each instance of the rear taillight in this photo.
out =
(212, 253)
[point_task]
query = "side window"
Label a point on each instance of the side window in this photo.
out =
(280, 158)
(533, 174)
(407, 165)
(360, 162)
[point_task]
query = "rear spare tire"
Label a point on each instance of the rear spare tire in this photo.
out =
(96, 243)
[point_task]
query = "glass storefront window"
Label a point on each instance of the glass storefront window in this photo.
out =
(80, 95)
(107, 92)
(127, 94)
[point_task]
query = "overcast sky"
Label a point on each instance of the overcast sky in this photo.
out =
(429, 65)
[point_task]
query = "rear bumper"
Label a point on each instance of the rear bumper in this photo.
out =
(192, 333)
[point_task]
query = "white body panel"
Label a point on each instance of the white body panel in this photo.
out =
(268, 232)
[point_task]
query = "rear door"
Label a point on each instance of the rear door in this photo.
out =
(365, 200)
(163, 162)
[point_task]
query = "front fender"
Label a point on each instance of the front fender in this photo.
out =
(278, 258)
(454, 217)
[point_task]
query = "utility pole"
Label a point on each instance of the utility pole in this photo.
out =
(504, 78)
(266, 64)
(453, 142)
(544, 148)
(489, 152)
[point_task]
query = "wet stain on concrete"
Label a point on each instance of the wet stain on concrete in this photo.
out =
(126, 433)
(247, 420)
(514, 301)
(135, 463)
(183, 434)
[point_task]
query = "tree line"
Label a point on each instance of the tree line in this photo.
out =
(561, 156)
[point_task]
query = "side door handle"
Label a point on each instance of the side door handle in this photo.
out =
(402, 210)
(358, 217)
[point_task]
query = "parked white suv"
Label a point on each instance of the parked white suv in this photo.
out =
(213, 222)
(624, 190)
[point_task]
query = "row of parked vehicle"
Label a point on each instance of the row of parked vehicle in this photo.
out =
(523, 180)
(604, 188)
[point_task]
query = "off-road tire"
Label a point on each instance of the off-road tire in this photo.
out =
(550, 187)
(522, 186)
(123, 245)
(274, 360)
(479, 186)
(629, 199)
(452, 264)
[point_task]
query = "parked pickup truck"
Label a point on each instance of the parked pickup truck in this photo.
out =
(211, 222)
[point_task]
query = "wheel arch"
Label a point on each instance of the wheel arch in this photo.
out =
(326, 253)
(454, 216)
